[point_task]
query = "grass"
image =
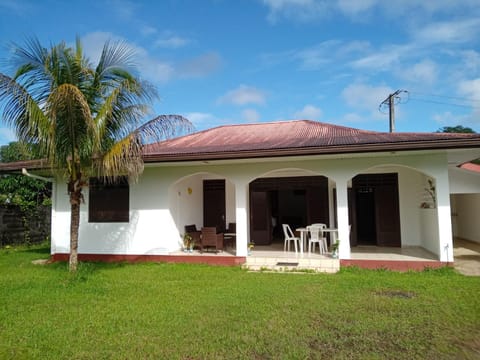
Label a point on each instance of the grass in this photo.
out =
(180, 311)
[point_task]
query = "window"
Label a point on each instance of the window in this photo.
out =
(108, 201)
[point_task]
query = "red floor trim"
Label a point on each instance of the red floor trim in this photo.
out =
(396, 265)
(210, 260)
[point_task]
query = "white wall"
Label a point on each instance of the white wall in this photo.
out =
(467, 209)
(463, 181)
(160, 204)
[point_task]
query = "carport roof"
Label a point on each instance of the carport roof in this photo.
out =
(296, 137)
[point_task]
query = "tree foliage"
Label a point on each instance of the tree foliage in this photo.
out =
(16, 151)
(85, 118)
(459, 129)
(456, 129)
(16, 189)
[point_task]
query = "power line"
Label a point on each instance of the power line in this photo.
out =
(446, 97)
(445, 103)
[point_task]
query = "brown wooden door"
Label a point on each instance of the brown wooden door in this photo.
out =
(214, 203)
(379, 195)
(352, 215)
(387, 215)
(260, 218)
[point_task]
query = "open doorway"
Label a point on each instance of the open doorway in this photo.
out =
(365, 214)
(296, 201)
(376, 211)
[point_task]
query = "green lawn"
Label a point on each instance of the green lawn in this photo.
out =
(166, 311)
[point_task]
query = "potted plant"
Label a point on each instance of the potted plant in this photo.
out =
(187, 239)
(251, 245)
(191, 244)
(335, 249)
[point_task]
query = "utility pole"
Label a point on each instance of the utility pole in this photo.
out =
(390, 101)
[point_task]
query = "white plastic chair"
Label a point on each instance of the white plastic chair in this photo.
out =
(287, 231)
(317, 237)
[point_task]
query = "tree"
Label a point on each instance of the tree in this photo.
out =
(16, 151)
(459, 129)
(19, 189)
(86, 120)
(456, 129)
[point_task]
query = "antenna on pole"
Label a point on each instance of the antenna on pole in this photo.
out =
(390, 101)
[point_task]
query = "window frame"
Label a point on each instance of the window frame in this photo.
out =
(109, 200)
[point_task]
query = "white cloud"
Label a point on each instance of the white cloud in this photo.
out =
(93, 44)
(148, 30)
(311, 10)
(153, 69)
(298, 10)
(355, 7)
(350, 118)
(471, 61)
(199, 118)
(470, 89)
(251, 115)
(365, 100)
(365, 97)
(171, 41)
(124, 9)
(446, 118)
(449, 119)
(243, 95)
(200, 66)
(17, 7)
(382, 59)
(309, 112)
(424, 72)
(456, 31)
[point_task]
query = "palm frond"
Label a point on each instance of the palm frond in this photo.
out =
(123, 158)
(21, 112)
(70, 117)
(163, 127)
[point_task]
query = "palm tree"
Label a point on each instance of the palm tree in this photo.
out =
(86, 120)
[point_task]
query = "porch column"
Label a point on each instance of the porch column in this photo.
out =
(445, 241)
(342, 219)
(241, 202)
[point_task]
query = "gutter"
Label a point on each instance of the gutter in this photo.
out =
(38, 177)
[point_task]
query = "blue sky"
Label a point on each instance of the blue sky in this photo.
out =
(221, 62)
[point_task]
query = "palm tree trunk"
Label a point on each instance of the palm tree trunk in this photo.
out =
(75, 198)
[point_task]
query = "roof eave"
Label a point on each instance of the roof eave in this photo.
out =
(17, 166)
(324, 150)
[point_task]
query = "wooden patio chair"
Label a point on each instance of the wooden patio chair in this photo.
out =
(211, 239)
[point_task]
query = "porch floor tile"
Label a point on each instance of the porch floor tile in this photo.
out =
(413, 253)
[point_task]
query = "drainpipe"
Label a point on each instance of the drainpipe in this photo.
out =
(26, 173)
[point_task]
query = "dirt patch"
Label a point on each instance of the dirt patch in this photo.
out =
(397, 294)
(467, 257)
(41, 262)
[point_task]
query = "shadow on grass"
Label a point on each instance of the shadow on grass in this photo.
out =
(38, 249)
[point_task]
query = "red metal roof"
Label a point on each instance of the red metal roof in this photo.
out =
(283, 138)
(295, 137)
(471, 167)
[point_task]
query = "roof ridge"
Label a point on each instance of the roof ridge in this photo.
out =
(316, 122)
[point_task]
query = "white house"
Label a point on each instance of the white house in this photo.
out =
(380, 190)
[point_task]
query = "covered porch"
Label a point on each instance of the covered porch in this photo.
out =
(321, 192)
(274, 258)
